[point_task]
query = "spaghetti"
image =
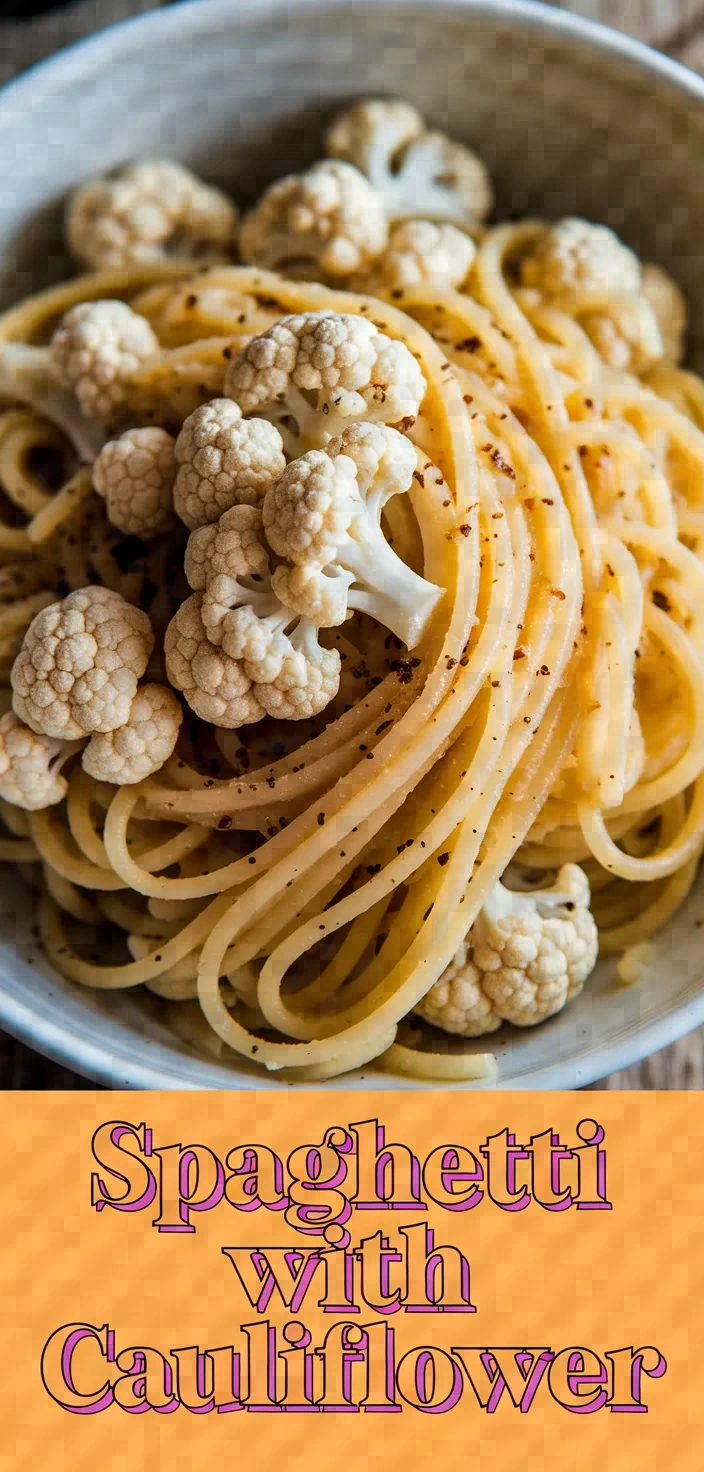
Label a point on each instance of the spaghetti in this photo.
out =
(305, 886)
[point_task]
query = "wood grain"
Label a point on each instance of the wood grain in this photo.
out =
(674, 26)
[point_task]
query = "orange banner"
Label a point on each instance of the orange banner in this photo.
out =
(292, 1278)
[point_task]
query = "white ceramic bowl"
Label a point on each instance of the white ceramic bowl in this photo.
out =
(571, 118)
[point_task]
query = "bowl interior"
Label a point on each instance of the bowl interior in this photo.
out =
(570, 119)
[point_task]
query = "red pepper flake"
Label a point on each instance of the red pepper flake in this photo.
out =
(420, 478)
(465, 529)
(405, 424)
(443, 859)
(495, 684)
(557, 593)
(225, 822)
(468, 398)
(519, 653)
(469, 345)
(450, 664)
(529, 503)
(546, 501)
(544, 670)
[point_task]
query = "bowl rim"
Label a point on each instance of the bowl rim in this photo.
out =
(44, 1035)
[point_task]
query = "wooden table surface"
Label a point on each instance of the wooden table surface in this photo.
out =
(673, 26)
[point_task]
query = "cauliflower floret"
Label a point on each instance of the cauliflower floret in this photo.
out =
(329, 220)
(96, 349)
(525, 957)
(315, 372)
(588, 271)
(135, 476)
(324, 513)
(419, 173)
(146, 213)
(320, 596)
(670, 308)
(78, 667)
(224, 460)
(573, 259)
(309, 678)
(140, 747)
(422, 253)
(26, 377)
(457, 1002)
(215, 686)
(30, 766)
(231, 548)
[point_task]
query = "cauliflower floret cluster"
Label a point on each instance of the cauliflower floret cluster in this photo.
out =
(586, 270)
(78, 667)
(246, 644)
(141, 746)
(315, 372)
(224, 460)
(30, 766)
(146, 213)
(421, 253)
(328, 222)
(524, 958)
(234, 649)
(419, 173)
(323, 515)
(135, 476)
(95, 352)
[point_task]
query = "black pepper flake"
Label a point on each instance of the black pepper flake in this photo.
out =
(321, 819)
(209, 783)
(420, 478)
(373, 868)
(469, 345)
(252, 859)
(428, 912)
(225, 822)
(443, 859)
(383, 935)
(519, 653)
(495, 684)
(465, 529)
(383, 727)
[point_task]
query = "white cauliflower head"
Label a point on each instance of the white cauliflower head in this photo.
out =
(135, 476)
(96, 349)
(141, 746)
(329, 221)
(573, 259)
(323, 515)
(224, 460)
(226, 550)
(149, 212)
(308, 679)
(316, 372)
(588, 271)
(215, 686)
(422, 253)
(525, 957)
(419, 173)
(30, 766)
(78, 667)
